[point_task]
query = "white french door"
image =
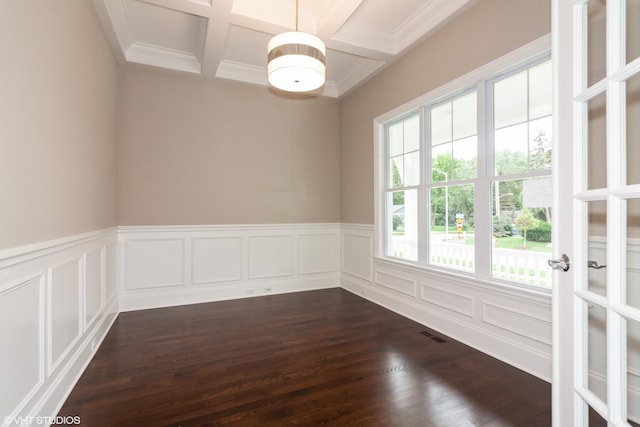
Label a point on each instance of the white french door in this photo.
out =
(596, 313)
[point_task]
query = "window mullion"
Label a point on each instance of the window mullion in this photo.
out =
(423, 199)
(484, 229)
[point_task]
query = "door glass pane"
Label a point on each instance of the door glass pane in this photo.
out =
(633, 30)
(510, 100)
(633, 128)
(522, 230)
(597, 246)
(596, 44)
(597, 351)
(596, 140)
(633, 370)
(595, 420)
(402, 224)
(452, 233)
(633, 253)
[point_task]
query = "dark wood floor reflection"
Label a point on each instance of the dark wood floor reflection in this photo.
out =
(311, 358)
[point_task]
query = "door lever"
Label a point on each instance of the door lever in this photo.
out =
(595, 265)
(562, 263)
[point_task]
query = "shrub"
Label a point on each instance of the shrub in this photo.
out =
(502, 227)
(542, 233)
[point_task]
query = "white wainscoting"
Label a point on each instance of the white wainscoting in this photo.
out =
(57, 302)
(508, 324)
(174, 265)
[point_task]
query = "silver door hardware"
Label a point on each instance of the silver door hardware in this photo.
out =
(595, 265)
(560, 264)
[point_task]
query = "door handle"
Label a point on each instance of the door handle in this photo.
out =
(595, 265)
(563, 263)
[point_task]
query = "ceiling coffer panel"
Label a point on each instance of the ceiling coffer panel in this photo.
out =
(228, 38)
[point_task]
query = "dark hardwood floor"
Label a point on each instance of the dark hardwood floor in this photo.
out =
(310, 358)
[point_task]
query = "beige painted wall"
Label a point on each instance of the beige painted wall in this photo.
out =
(58, 83)
(202, 151)
(486, 31)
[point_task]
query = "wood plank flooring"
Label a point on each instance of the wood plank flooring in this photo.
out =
(323, 357)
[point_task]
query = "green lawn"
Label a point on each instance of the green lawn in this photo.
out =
(515, 242)
(512, 242)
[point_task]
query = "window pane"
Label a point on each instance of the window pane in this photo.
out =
(540, 90)
(402, 224)
(395, 139)
(522, 230)
(396, 171)
(412, 134)
(441, 123)
(540, 132)
(596, 41)
(510, 100)
(441, 163)
(412, 168)
(512, 149)
(465, 121)
(452, 238)
(465, 158)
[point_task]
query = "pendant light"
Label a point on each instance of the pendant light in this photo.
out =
(296, 61)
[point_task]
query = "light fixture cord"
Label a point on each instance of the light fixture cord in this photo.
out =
(296, 15)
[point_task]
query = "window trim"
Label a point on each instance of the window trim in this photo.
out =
(477, 79)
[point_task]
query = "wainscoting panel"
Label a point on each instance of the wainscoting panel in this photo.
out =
(216, 259)
(509, 324)
(22, 332)
(270, 256)
(318, 253)
(110, 273)
(65, 320)
(357, 251)
(449, 300)
(93, 285)
(54, 314)
(396, 283)
(193, 264)
(154, 263)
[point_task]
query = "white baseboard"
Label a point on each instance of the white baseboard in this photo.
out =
(167, 298)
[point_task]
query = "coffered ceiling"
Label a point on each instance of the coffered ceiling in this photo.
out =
(228, 38)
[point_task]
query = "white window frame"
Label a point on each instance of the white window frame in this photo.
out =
(478, 79)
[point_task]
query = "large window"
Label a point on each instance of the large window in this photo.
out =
(467, 179)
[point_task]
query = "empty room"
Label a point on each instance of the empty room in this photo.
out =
(306, 212)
